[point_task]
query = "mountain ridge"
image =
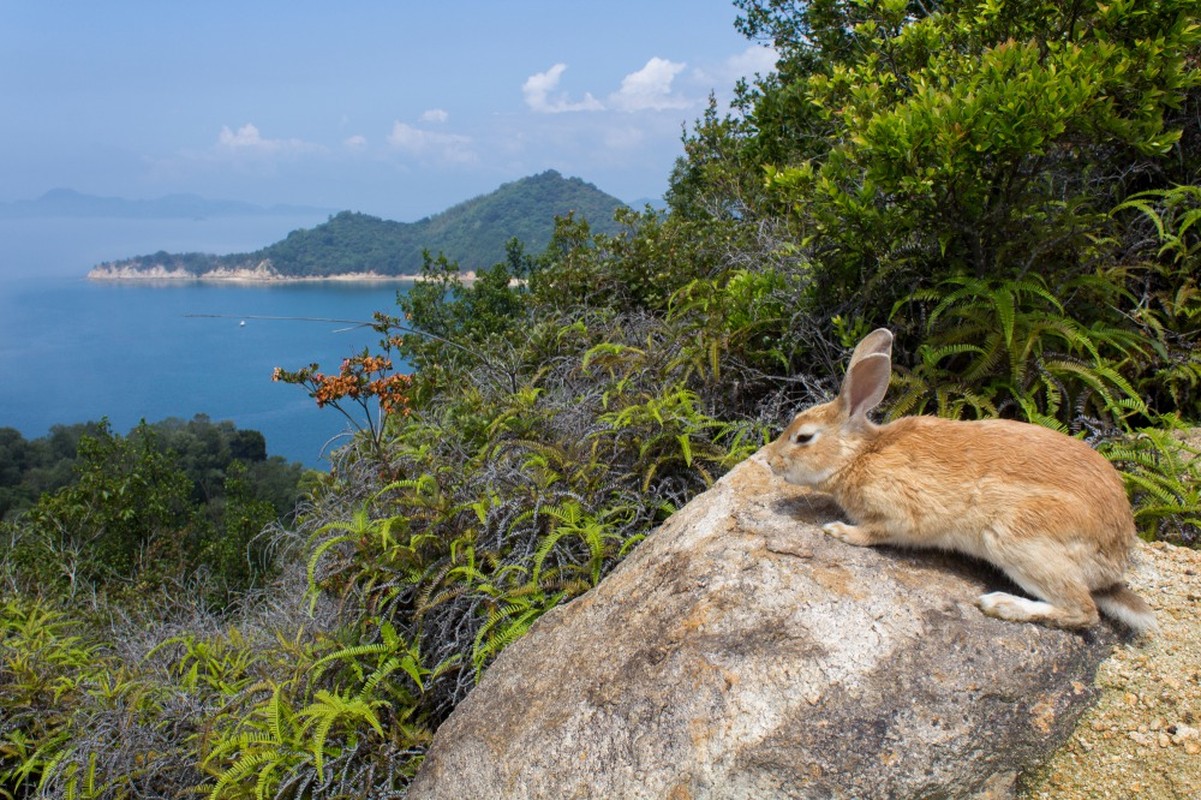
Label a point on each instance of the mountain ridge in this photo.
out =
(472, 233)
(70, 203)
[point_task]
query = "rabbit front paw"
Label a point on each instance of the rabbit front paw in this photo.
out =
(851, 534)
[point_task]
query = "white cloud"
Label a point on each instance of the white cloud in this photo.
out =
(247, 139)
(539, 86)
(435, 115)
(756, 59)
(449, 147)
(649, 89)
(247, 136)
(356, 142)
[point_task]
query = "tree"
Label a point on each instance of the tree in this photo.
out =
(248, 446)
(169, 501)
(915, 150)
(127, 524)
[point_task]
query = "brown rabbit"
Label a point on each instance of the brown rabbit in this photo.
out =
(1043, 507)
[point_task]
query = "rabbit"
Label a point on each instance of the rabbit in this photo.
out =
(1046, 509)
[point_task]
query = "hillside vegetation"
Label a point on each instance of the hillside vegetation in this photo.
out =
(1010, 185)
(168, 503)
(472, 234)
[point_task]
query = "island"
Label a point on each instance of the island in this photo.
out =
(352, 246)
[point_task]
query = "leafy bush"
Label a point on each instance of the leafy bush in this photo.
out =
(139, 517)
(1009, 184)
(992, 344)
(1163, 475)
(510, 500)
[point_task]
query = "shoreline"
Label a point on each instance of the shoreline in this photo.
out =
(177, 277)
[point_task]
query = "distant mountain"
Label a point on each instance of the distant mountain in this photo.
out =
(472, 233)
(657, 203)
(70, 203)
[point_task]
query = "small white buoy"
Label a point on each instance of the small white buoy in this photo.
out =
(242, 323)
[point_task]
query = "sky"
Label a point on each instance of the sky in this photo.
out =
(398, 109)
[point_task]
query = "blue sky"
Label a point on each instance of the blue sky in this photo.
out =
(398, 109)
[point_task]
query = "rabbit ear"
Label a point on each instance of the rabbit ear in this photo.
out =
(878, 341)
(865, 384)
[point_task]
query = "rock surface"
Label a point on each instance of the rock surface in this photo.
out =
(741, 653)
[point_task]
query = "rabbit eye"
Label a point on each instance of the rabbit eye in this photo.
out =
(804, 437)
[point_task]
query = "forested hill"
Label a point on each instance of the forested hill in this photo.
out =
(472, 233)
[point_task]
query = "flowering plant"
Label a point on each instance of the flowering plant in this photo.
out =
(365, 380)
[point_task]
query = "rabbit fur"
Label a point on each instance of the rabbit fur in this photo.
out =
(1046, 509)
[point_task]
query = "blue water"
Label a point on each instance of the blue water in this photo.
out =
(73, 350)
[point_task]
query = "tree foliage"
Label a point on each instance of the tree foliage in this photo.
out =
(146, 512)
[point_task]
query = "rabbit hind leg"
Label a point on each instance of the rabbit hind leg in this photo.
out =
(1064, 600)
(1020, 609)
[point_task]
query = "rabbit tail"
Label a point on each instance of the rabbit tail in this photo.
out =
(1126, 607)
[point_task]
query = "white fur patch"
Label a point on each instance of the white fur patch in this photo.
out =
(1141, 623)
(1011, 607)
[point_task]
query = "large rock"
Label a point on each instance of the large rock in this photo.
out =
(741, 653)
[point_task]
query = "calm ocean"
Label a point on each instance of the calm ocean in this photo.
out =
(73, 350)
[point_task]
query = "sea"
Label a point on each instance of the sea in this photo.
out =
(75, 350)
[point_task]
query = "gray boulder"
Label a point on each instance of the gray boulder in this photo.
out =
(739, 652)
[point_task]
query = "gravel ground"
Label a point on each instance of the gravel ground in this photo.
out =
(1143, 737)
